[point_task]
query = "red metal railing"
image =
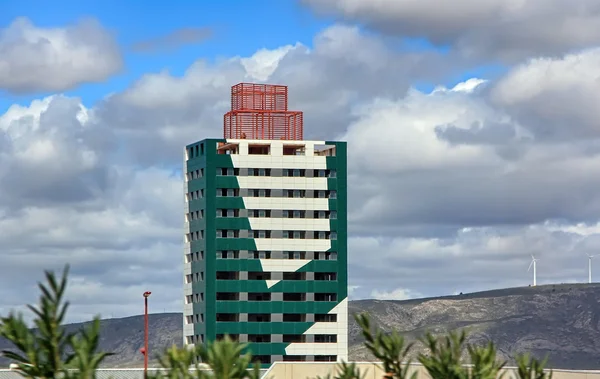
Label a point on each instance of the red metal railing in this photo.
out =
(260, 111)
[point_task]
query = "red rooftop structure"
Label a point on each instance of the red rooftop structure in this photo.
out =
(260, 111)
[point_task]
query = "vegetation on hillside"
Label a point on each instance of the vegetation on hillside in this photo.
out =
(51, 352)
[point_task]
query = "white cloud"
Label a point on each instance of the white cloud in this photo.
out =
(450, 190)
(397, 294)
(507, 30)
(34, 59)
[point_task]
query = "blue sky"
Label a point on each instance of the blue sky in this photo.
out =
(239, 28)
(479, 177)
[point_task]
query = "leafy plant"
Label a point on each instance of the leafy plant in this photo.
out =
(50, 351)
(225, 358)
(85, 358)
(445, 358)
(485, 364)
(390, 349)
(531, 368)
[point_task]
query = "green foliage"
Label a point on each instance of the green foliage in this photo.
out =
(531, 368)
(225, 359)
(390, 349)
(50, 352)
(445, 358)
(86, 358)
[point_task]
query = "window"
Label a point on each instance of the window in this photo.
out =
(326, 317)
(228, 192)
(259, 317)
(325, 338)
(332, 173)
(188, 279)
(296, 193)
(294, 338)
(261, 233)
(228, 296)
(325, 358)
(258, 149)
(294, 276)
(228, 254)
(333, 215)
(260, 254)
(228, 171)
(227, 317)
(189, 299)
(321, 194)
(227, 275)
(259, 275)
(325, 297)
(293, 296)
(333, 236)
(259, 296)
(326, 256)
(332, 194)
(294, 317)
(326, 276)
(189, 319)
(259, 338)
(294, 255)
(321, 173)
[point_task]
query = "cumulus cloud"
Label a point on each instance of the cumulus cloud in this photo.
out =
(35, 59)
(63, 200)
(554, 98)
(450, 189)
(397, 294)
(499, 29)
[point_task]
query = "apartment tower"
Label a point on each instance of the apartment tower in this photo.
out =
(266, 234)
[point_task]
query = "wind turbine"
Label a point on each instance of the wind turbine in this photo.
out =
(533, 261)
(590, 267)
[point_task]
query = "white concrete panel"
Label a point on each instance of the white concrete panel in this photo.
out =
(312, 349)
(188, 329)
(286, 161)
(284, 244)
(282, 182)
(289, 203)
(283, 265)
(340, 328)
(271, 283)
(311, 224)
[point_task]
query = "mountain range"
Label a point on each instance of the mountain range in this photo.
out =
(561, 322)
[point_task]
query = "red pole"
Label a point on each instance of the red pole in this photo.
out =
(146, 294)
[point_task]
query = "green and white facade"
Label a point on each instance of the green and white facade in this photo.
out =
(266, 247)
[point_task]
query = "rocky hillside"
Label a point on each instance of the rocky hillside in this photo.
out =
(562, 321)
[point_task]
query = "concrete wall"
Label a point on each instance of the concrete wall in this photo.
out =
(302, 370)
